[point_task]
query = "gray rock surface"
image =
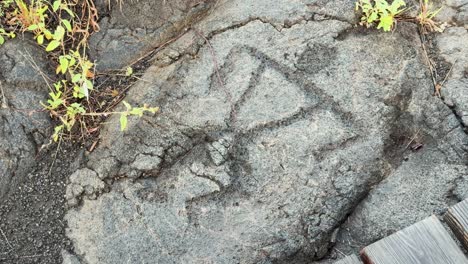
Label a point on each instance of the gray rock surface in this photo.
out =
(432, 178)
(454, 11)
(83, 182)
(454, 51)
(23, 126)
(283, 130)
(131, 29)
(69, 258)
(423, 185)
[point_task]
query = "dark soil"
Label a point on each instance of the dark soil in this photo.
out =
(32, 226)
(441, 67)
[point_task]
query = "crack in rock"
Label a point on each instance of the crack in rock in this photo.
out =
(298, 142)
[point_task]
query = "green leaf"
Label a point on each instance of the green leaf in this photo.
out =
(42, 10)
(127, 105)
(395, 7)
(78, 108)
(54, 103)
(22, 5)
(85, 88)
(381, 5)
(2, 40)
(89, 85)
(137, 111)
(48, 34)
(386, 22)
(123, 122)
(33, 27)
(69, 11)
(56, 5)
(72, 61)
(373, 17)
(59, 33)
(58, 86)
(67, 25)
(433, 14)
(63, 65)
(77, 92)
(153, 109)
(40, 39)
(52, 45)
(57, 131)
(76, 78)
(129, 71)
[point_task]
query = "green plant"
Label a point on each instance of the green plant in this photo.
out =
(426, 15)
(385, 15)
(4, 34)
(4, 5)
(79, 70)
(135, 111)
(380, 12)
(64, 34)
(129, 72)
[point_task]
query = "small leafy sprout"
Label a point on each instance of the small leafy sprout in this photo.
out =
(426, 15)
(55, 97)
(380, 12)
(4, 5)
(57, 28)
(135, 111)
(79, 70)
(386, 15)
(4, 34)
(58, 5)
(31, 15)
(57, 131)
(69, 119)
(129, 72)
(57, 39)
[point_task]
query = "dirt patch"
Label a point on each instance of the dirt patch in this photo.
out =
(441, 66)
(32, 229)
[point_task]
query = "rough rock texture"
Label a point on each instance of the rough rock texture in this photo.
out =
(131, 29)
(277, 120)
(454, 51)
(83, 182)
(23, 126)
(434, 177)
(454, 11)
(69, 258)
(455, 89)
(32, 229)
(424, 184)
(32, 181)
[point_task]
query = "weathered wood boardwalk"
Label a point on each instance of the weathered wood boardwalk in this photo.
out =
(457, 218)
(426, 242)
(350, 260)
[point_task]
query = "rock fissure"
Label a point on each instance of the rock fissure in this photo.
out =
(284, 132)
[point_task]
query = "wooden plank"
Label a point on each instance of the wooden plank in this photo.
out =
(457, 219)
(353, 259)
(426, 242)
